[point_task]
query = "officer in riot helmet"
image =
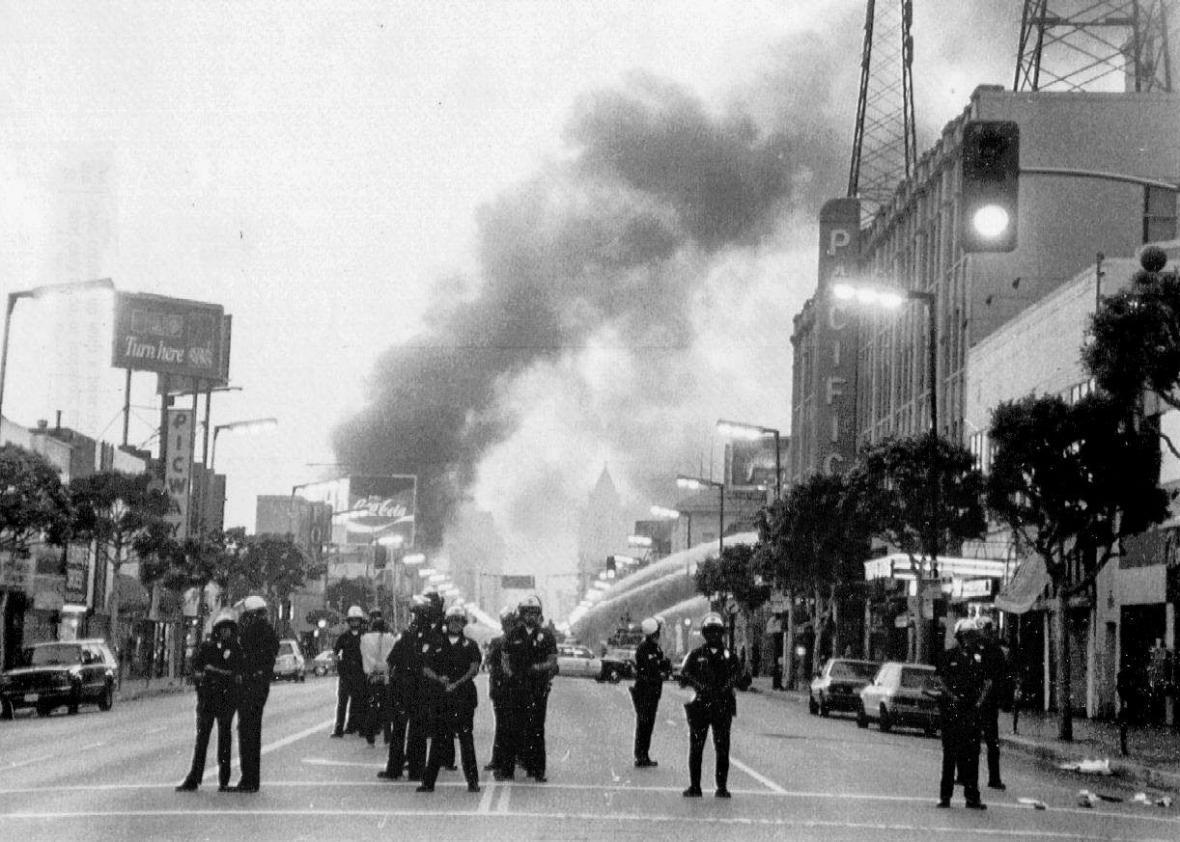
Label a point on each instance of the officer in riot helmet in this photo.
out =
(260, 647)
(409, 728)
(351, 690)
(962, 696)
(713, 672)
(530, 662)
(651, 668)
(217, 672)
(452, 665)
(498, 692)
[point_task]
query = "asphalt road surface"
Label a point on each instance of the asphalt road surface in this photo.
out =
(794, 776)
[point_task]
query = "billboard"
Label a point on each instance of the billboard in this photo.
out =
(368, 509)
(171, 336)
(750, 464)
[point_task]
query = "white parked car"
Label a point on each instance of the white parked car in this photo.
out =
(577, 660)
(290, 664)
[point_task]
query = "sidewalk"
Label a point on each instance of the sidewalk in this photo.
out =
(1153, 758)
(139, 688)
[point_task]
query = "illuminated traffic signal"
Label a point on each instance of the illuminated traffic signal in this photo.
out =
(991, 175)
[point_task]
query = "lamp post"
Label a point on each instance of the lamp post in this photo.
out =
(40, 292)
(752, 432)
(891, 298)
(252, 425)
(696, 484)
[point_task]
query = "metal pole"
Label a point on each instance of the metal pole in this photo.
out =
(721, 525)
(12, 298)
(933, 330)
(126, 406)
(778, 469)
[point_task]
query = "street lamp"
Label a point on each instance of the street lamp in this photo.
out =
(890, 299)
(413, 558)
(698, 483)
(40, 292)
(752, 432)
(253, 425)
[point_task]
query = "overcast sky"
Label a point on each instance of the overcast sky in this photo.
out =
(355, 182)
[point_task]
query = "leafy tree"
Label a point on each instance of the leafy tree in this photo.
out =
(735, 575)
(814, 540)
(923, 495)
(271, 565)
(119, 512)
(33, 505)
(342, 594)
(200, 560)
(1071, 482)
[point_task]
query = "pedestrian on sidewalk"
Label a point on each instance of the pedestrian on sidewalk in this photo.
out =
(961, 697)
(375, 647)
(260, 646)
(713, 672)
(651, 667)
(217, 673)
(453, 665)
(995, 668)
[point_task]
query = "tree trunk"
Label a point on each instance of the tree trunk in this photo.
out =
(3, 629)
(789, 644)
(837, 637)
(1061, 627)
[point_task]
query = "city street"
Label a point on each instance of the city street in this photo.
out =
(111, 776)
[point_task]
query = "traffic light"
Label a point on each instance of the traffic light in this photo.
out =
(991, 175)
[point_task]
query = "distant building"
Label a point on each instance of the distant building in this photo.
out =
(602, 530)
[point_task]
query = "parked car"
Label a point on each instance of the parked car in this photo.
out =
(838, 685)
(290, 664)
(617, 664)
(577, 660)
(63, 673)
(897, 696)
(324, 663)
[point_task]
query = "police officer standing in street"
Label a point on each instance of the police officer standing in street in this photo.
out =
(651, 667)
(260, 646)
(530, 662)
(376, 645)
(410, 722)
(995, 667)
(350, 670)
(452, 665)
(965, 687)
(498, 691)
(217, 670)
(713, 672)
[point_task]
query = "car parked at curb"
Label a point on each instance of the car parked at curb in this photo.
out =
(289, 663)
(324, 663)
(60, 674)
(838, 685)
(900, 694)
(617, 664)
(577, 660)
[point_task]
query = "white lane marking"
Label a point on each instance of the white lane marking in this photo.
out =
(505, 797)
(678, 818)
(760, 778)
(485, 800)
(17, 764)
(323, 761)
(211, 773)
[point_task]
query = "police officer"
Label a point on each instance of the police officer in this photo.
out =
(713, 672)
(995, 667)
(964, 688)
(651, 667)
(498, 692)
(376, 645)
(260, 646)
(350, 671)
(407, 739)
(217, 670)
(530, 662)
(431, 698)
(452, 665)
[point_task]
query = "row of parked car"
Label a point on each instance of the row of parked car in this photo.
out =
(613, 666)
(890, 694)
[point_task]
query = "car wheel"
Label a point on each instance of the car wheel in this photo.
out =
(824, 710)
(107, 700)
(302, 677)
(812, 707)
(75, 700)
(862, 718)
(44, 710)
(885, 723)
(614, 677)
(5, 709)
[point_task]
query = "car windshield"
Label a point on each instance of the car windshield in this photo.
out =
(620, 654)
(286, 649)
(854, 669)
(57, 653)
(913, 679)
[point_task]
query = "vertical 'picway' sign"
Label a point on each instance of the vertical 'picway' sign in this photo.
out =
(178, 466)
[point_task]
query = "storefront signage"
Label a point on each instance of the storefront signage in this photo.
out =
(178, 466)
(77, 574)
(168, 335)
(972, 588)
(835, 345)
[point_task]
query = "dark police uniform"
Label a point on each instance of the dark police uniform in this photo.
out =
(351, 689)
(405, 694)
(650, 668)
(712, 672)
(260, 646)
(964, 679)
(456, 709)
(528, 693)
(498, 692)
(219, 665)
(417, 645)
(995, 670)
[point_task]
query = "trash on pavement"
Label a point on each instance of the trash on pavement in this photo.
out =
(1164, 801)
(1086, 798)
(1035, 803)
(1088, 767)
(1115, 799)
(1140, 798)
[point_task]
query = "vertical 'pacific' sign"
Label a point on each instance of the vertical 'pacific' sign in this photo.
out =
(835, 336)
(178, 468)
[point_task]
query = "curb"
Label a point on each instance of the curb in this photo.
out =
(1126, 771)
(133, 690)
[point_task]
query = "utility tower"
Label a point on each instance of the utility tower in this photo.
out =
(1099, 45)
(884, 147)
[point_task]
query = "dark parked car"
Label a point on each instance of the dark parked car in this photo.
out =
(67, 673)
(617, 664)
(838, 685)
(900, 695)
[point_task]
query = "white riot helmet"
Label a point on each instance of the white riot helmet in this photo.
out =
(254, 603)
(355, 613)
(649, 626)
(225, 617)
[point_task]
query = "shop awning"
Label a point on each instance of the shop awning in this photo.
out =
(1019, 595)
(899, 566)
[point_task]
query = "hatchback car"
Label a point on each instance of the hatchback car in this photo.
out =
(577, 660)
(617, 664)
(289, 663)
(838, 685)
(64, 673)
(900, 694)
